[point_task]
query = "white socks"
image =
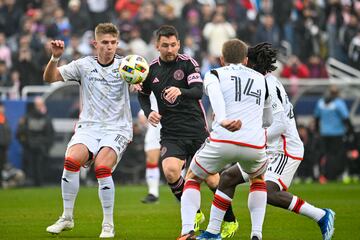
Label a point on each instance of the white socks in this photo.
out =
(219, 207)
(298, 205)
(257, 206)
(107, 196)
(190, 204)
(152, 179)
(69, 189)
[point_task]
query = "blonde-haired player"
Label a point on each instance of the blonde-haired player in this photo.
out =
(105, 123)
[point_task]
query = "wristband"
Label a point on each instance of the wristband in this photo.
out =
(54, 59)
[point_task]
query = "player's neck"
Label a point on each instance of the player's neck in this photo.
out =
(105, 62)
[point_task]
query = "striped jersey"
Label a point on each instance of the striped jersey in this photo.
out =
(104, 96)
(243, 91)
(289, 142)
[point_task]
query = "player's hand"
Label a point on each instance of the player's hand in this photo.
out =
(154, 118)
(57, 48)
(231, 125)
(135, 87)
(172, 93)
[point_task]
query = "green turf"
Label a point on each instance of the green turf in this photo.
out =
(25, 213)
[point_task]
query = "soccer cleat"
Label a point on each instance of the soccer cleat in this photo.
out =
(199, 219)
(229, 229)
(205, 235)
(150, 199)
(326, 224)
(62, 224)
(107, 231)
(255, 238)
(188, 236)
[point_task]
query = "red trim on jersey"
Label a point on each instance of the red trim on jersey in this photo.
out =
(298, 205)
(221, 203)
(283, 185)
(71, 164)
(239, 143)
(151, 165)
(286, 153)
(102, 172)
(258, 186)
(193, 184)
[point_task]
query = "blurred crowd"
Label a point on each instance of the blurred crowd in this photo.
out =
(310, 30)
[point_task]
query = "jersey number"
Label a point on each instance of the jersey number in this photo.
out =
(247, 90)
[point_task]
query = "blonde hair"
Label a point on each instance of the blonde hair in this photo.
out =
(106, 28)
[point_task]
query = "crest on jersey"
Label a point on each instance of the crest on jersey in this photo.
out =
(179, 74)
(169, 102)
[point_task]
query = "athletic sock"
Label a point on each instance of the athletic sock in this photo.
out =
(219, 207)
(177, 187)
(190, 203)
(299, 206)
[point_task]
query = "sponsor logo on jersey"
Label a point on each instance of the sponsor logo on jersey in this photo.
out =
(169, 102)
(156, 80)
(179, 74)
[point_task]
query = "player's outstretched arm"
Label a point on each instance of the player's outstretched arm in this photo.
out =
(51, 73)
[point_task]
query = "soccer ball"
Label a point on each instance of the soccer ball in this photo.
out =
(134, 69)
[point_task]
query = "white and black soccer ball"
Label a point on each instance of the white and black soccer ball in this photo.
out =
(134, 69)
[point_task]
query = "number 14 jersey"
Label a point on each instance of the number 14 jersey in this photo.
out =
(244, 92)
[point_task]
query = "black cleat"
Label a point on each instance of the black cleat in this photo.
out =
(150, 199)
(255, 238)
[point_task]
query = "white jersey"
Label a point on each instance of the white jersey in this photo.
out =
(104, 96)
(243, 93)
(289, 142)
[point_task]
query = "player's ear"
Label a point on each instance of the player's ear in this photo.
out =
(94, 43)
(245, 62)
(222, 61)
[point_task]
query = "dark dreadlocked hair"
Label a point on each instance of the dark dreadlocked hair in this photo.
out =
(261, 58)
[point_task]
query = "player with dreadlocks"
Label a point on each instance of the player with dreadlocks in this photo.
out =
(284, 149)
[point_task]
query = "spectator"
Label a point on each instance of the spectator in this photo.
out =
(78, 18)
(317, 68)
(5, 139)
(5, 52)
(332, 123)
(294, 68)
(354, 50)
(268, 31)
(216, 33)
(5, 80)
(35, 133)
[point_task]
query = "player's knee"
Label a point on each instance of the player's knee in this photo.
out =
(272, 192)
(230, 178)
(171, 174)
(102, 172)
(71, 164)
(213, 181)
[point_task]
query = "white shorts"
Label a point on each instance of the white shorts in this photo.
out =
(94, 140)
(281, 170)
(152, 137)
(213, 156)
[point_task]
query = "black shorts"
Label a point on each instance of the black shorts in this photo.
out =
(184, 149)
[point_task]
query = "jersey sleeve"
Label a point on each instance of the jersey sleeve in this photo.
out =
(193, 72)
(212, 89)
(275, 96)
(71, 71)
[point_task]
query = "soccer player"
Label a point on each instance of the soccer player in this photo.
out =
(284, 148)
(178, 88)
(105, 125)
(152, 153)
(239, 98)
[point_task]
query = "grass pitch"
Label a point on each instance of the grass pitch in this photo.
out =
(25, 213)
